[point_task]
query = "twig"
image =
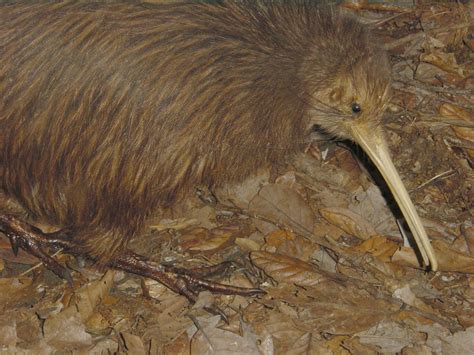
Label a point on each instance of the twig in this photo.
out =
(417, 90)
(376, 7)
(421, 34)
(199, 328)
(436, 89)
(436, 178)
(24, 273)
(446, 121)
(390, 18)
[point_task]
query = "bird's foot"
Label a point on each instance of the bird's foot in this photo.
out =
(184, 282)
(34, 241)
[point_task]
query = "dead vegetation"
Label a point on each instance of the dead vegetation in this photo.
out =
(317, 235)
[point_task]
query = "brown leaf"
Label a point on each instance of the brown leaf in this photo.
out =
(451, 260)
(68, 332)
(460, 342)
(204, 240)
(212, 340)
(306, 345)
(242, 194)
(448, 259)
(98, 325)
(389, 336)
(459, 113)
(370, 203)
(278, 325)
(8, 337)
(248, 244)
(14, 289)
(378, 246)
(179, 346)
(278, 237)
(407, 295)
(348, 221)
(406, 256)
(467, 229)
(339, 309)
(455, 112)
(286, 269)
(133, 344)
(20, 327)
(444, 61)
(283, 205)
(67, 328)
(438, 18)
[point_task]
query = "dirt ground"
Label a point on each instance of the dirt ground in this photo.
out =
(321, 235)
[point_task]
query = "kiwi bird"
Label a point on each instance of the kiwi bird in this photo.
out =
(109, 111)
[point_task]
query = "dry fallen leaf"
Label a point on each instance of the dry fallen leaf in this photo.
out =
(133, 344)
(308, 320)
(286, 269)
(241, 194)
(378, 246)
(468, 233)
(13, 289)
(448, 22)
(444, 61)
(459, 113)
(307, 344)
(389, 336)
(278, 237)
(406, 256)
(417, 350)
(8, 337)
(179, 346)
(278, 326)
(211, 340)
(370, 203)
(349, 222)
(200, 240)
(460, 342)
(451, 260)
(408, 297)
(455, 112)
(67, 328)
(283, 205)
(67, 332)
(247, 244)
(448, 259)
(338, 309)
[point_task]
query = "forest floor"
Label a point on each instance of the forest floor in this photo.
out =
(320, 235)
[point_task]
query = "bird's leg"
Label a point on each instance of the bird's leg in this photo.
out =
(34, 241)
(185, 282)
(204, 271)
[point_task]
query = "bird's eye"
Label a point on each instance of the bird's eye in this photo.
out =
(356, 107)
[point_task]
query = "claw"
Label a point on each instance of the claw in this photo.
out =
(215, 287)
(66, 275)
(33, 240)
(184, 282)
(218, 312)
(179, 280)
(14, 244)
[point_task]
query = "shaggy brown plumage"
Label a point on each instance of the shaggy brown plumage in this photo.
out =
(109, 111)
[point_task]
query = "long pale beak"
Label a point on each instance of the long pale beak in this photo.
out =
(373, 143)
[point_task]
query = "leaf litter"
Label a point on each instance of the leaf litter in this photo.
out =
(321, 235)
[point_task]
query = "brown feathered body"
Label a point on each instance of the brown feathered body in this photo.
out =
(109, 111)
